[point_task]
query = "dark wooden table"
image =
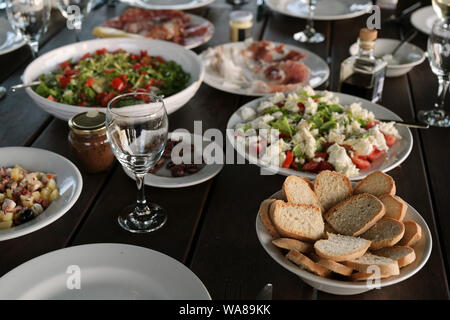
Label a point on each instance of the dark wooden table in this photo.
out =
(211, 226)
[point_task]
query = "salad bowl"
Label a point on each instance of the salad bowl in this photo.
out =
(48, 62)
(68, 180)
(395, 155)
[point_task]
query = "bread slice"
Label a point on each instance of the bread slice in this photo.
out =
(368, 261)
(298, 221)
(355, 215)
(293, 244)
(336, 267)
(265, 217)
(413, 233)
(340, 248)
(306, 263)
(395, 206)
(402, 254)
(332, 187)
(362, 276)
(377, 184)
(310, 184)
(297, 190)
(384, 233)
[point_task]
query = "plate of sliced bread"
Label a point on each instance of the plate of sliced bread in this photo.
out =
(344, 238)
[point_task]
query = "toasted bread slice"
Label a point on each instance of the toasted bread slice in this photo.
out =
(336, 267)
(293, 244)
(297, 190)
(355, 215)
(377, 184)
(265, 217)
(306, 263)
(368, 261)
(340, 248)
(331, 188)
(298, 221)
(362, 276)
(384, 233)
(395, 206)
(402, 254)
(413, 233)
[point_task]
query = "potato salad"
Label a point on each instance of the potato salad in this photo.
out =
(314, 132)
(24, 195)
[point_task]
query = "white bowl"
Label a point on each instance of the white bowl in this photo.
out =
(68, 181)
(339, 287)
(169, 51)
(409, 55)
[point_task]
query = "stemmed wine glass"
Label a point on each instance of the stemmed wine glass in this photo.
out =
(137, 127)
(439, 58)
(29, 19)
(75, 11)
(310, 34)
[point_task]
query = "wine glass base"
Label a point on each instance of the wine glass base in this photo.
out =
(132, 222)
(309, 36)
(435, 118)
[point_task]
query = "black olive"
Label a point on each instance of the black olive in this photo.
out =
(25, 216)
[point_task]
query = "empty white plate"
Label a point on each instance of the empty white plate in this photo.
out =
(325, 9)
(102, 271)
(168, 4)
(423, 19)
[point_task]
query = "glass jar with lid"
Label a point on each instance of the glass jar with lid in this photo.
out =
(241, 25)
(89, 142)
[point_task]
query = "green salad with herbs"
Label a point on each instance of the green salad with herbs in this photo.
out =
(100, 76)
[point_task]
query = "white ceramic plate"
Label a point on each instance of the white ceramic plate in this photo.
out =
(190, 62)
(190, 42)
(169, 4)
(394, 157)
(9, 40)
(325, 10)
(164, 179)
(106, 271)
(68, 180)
(409, 55)
(423, 19)
(422, 250)
(319, 71)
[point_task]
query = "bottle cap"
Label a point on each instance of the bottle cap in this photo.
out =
(88, 122)
(366, 34)
(241, 16)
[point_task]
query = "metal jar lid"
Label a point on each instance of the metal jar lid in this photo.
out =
(241, 16)
(88, 123)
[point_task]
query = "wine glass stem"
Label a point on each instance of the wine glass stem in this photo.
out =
(310, 22)
(141, 203)
(443, 88)
(34, 46)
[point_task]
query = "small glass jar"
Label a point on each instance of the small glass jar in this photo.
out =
(241, 25)
(89, 142)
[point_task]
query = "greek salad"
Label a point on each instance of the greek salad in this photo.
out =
(24, 195)
(99, 76)
(311, 131)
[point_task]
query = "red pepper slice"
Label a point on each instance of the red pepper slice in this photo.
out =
(64, 81)
(51, 98)
(289, 159)
(65, 64)
(90, 82)
(100, 52)
(109, 70)
(107, 98)
(118, 84)
(85, 56)
(160, 59)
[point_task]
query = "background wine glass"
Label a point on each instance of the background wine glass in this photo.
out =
(310, 34)
(29, 19)
(439, 58)
(442, 8)
(75, 11)
(138, 139)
